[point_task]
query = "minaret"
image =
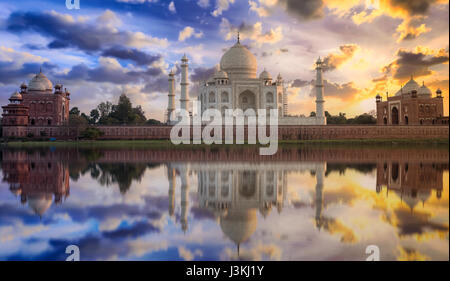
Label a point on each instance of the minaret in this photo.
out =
(171, 101)
(171, 178)
(184, 197)
(319, 90)
(319, 193)
(184, 99)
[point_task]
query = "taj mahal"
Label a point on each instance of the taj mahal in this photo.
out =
(236, 85)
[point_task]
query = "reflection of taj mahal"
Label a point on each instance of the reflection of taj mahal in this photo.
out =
(235, 192)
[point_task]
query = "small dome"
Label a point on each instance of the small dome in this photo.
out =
(265, 75)
(16, 96)
(239, 62)
(40, 203)
(424, 91)
(408, 88)
(23, 86)
(40, 82)
(220, 74)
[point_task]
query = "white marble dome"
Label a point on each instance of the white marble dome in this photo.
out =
(41, 83)
(265, 75)
(239, 62)
(424, 91)
(408, 88)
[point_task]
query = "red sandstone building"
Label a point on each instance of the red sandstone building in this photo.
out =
(37, 105)
(412, 105)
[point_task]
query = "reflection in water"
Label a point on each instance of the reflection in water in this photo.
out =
(411, 182)
(290, 203)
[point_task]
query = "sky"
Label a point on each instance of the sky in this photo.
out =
(111, 47)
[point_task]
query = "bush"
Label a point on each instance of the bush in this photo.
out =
(91, 133)
(30, 135)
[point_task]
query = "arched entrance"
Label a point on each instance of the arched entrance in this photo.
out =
(394, 116)
(247, 99)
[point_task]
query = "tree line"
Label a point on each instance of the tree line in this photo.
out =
(341, 119)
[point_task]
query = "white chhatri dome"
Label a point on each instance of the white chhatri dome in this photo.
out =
(16, 96)
(40, 82)
(239, 62)
(424, 91)
(220, 74)
(265, 75)
(408, 88)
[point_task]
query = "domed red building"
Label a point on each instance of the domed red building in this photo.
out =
(36, 108)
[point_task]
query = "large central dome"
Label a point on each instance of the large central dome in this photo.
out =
(239, 62)
(40, 83)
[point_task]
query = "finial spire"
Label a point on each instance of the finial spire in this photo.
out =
(40, 69)
(238, 37)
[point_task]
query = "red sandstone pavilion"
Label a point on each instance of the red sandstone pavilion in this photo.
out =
(38, 110)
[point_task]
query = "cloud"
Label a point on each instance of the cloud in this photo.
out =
(172, 8)
(188, 32)
(298, 83)
(335, 60)
(65, 31)
(188, 255)
(139, 57)
(203, 3)
(412, 12)
(202, 73)
(411, 28)
(253, 32)
(416, 62)
(264, 8)
(221, 6)
(343, 91)
(303, 9)
(110, 71)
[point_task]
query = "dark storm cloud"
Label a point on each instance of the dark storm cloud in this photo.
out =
(298, 83)
(416, 63)
(304, 9)
(410, 223)
(88, 37)
(139, 57)
(10, 74)
(413, 7)
(104, 73)
(202, 73)
(84, 37)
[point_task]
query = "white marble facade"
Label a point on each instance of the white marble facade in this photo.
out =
(235, 85)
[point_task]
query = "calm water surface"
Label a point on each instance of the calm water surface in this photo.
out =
(305, 203)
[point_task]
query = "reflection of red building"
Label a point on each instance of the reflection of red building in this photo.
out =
(412, 182)
(38, 180)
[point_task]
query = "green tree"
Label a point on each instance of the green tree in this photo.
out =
(95, 115)
(74, 111)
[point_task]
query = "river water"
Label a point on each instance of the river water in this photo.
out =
(304, 203)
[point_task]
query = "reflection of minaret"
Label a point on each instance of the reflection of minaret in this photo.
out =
(184, 197)
(172, 182)
(319, 193)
